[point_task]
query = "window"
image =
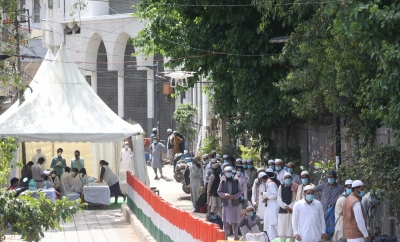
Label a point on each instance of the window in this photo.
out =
(22, 16)
(36, 11)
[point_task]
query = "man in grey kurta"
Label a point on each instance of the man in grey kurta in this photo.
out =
(156, 150)
(230, 191)
(196, 177)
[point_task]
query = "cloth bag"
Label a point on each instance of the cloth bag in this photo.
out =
(262, 237)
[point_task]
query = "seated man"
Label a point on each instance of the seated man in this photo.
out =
(14, 183)
(249, 222)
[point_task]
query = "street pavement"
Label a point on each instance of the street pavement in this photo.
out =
(90, 226)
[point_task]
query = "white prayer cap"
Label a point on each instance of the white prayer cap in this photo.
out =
(127, 143)
(288, 174)
(239, 159)
(278, 160)
(269, 170)
(175, 132)
(348, 182)
(303, 173)
(216, 165)
(154, 129)
(217, 156)
(169, 130)
(261, 169)
(271, 161)
(357, 183)
(244, 161)
(205, 156)
(249, 160)
(225, 156)
(261, 175)
(213, 160)
(228, 168)
(308, 187)
(249, 207)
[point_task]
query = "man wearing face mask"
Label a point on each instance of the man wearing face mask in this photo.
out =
(215, 202)
(156, 149)
(338, 211)
(252, 177)
(243, 184)
(153, 133)
(58, 163)
(330, 192)
(196, 180)
(290, 169)
(250, 222)
(272, 209)
(67, 179)
(206, 166)
(125, 158)
(354, 219)
(230, 192)
(305, 181)
(280, 172)
(308, 218)
(286, 199)
(257, 191)
(77, 161)
(271, 164)
(371, 209)
(38, 154)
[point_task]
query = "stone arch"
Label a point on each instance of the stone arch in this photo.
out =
(91, 52)
(118, 52)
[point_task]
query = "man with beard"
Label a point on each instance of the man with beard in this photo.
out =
(196, 179)
(215, 203)
(230, 192)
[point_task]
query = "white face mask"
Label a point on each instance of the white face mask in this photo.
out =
(53, 175)
(39, 151)
(126, 146)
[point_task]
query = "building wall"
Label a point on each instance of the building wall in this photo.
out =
(118, 7)
(107, 88)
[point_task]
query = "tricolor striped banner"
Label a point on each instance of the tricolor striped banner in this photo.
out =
(164, 221)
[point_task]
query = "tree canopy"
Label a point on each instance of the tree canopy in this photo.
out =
(222, 42)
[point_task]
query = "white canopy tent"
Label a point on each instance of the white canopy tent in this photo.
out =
(66, 109)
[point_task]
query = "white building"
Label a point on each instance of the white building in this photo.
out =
(97, 37)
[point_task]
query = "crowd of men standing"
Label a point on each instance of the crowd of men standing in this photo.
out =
(282, 204)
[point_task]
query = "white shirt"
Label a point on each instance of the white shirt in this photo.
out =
(36, 157)
(205, 173)
(281, 175)
(308, 220)
(126, 157)
(272, 204)
(37, 172)
(66, 179)
(79, 183)
(358, 214)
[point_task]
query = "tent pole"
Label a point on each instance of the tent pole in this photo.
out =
(23, 149)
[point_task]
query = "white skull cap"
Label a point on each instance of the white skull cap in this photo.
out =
(271, 161)
(348, 182)
(305, 173)
(308, 187)
(357, 183)
(228, 168)
(154, 129)
(262, 174)
(278, 160)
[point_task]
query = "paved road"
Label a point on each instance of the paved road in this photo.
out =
(90, 226)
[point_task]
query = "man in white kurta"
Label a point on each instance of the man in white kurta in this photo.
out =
(308, 218)
(280, 172)
(258, 189)
(157, 149)
(196, 179)
(126, 158)
(272, 209)
(286, 200)
(38, 154)
(338, 211)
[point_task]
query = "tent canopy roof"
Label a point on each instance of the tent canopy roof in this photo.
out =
(66, 109)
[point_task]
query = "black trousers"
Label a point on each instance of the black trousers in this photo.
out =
(116, 190)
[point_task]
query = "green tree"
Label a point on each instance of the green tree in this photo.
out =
(184, 116)
(223, 44)
(8, 146)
